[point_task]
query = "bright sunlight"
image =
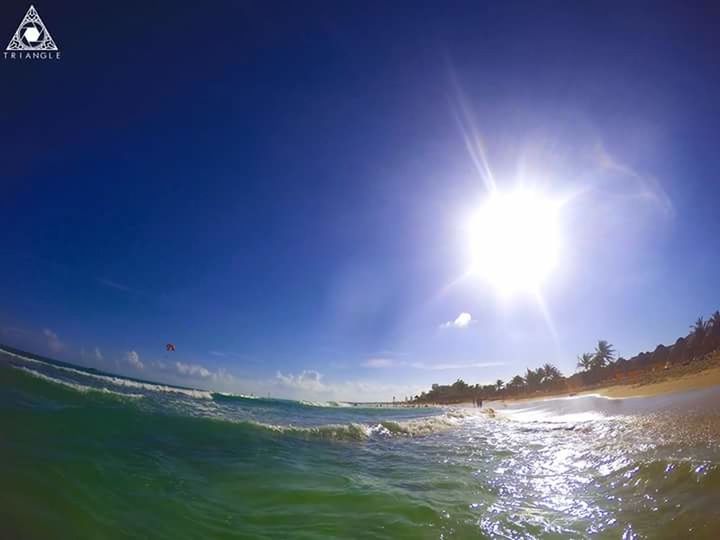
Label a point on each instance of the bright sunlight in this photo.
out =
(515, 240)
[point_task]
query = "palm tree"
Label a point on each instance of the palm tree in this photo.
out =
(517, 382)
(550, 374)
(585, 361)
(533, 378)
(713, 325)
(541, 371)
(698, 328)
(460, 385)
(604, 354)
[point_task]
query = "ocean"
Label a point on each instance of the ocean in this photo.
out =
(85, 454)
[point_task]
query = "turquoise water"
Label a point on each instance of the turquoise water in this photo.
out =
(88, 455)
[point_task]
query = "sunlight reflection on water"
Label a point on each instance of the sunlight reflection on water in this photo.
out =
(578, 468)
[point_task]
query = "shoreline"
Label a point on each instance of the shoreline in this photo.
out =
(685, 383)
(695, 380)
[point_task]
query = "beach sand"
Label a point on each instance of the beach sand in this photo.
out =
(695, 376)
(690, 381)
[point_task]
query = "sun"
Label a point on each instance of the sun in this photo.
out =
(514, 240)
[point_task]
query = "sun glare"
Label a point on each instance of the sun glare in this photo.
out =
(515, 241)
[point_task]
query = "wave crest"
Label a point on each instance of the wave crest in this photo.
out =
(360, 432)
(120, 381)
(75, 386)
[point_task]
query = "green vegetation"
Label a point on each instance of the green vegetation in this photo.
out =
(594, 368)
(546, 377)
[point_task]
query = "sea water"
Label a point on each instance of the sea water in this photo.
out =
(84, 454)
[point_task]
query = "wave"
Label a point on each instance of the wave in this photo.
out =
(338, 425)
(594, 407)
(121, 381)
(230, 395)
(360, 432)
(353, 431)
(152, 387)
(308, 403)
(75, 386)
(222, 396)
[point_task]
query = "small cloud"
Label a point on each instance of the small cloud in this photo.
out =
(133, 359)
(461, 321)
(54, 343)
(218, 353)
(115, 285)
(378, 363)
(98, 354)
(307, 380)
(310, 384)
(221, 376)
(192, 370)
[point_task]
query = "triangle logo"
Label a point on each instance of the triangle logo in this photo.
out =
(32, 34)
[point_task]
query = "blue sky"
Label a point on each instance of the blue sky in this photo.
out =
(280, 191)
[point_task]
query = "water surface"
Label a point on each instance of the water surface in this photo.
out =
(88, 455)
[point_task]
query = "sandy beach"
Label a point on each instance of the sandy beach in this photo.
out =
(690, 381)
(697, 375)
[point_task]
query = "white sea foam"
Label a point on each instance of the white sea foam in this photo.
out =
(152, 387)
(231, 395)
(75, 386)
(360, 431)
(120, 381)
(540, 415)
(324, 403)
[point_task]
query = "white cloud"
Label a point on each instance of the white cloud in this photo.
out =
(115, 285)
(307, 384)
(95, 355)
(378, 363)
(133, 359)
(218, 353)
(181, 370)
(307, 380)
(54, 342)
(461, 321)
(193, 370)
(310, 384)
(222, 376)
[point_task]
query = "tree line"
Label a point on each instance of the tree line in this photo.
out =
(593, 367)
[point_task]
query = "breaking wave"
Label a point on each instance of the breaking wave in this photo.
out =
(306, 420)
(118, 381)
(75, 386)
(361, 431)
(308, 403)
